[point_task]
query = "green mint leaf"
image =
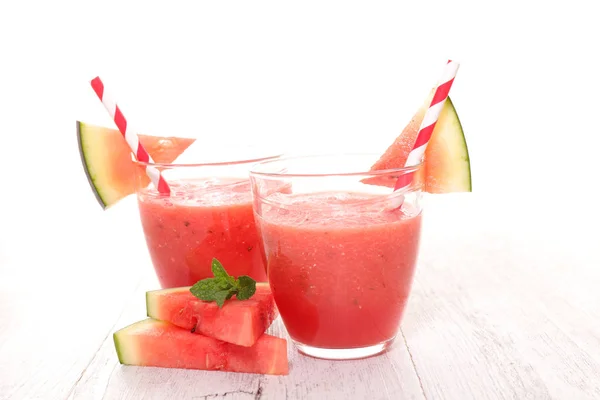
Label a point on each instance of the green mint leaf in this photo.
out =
(218, 270)
(223, 286)
(206, 289)
(220, 273)
(246, 287)
(221, 296)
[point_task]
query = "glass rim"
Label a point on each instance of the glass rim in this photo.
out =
(208, 164)
(399, 170)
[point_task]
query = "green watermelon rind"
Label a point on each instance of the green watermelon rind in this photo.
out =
(119, 347)
(88, 168)
(152, 299)
(465, 158)
(126, 351)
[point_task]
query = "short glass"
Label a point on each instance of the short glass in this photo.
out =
(208, 214)
(340, 248)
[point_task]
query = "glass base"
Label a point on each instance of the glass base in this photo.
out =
(343, 354)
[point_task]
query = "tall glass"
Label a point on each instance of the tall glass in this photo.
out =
(208, 214)
(340, 248)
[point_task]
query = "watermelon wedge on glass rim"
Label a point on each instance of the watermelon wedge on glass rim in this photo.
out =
(207, 215)
(446, 165)
(108, 163)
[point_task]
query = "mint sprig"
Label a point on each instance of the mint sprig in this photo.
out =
(223, 286)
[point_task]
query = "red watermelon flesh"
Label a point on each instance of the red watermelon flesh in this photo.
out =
(154, 343)
(395, 156)
(238, 322)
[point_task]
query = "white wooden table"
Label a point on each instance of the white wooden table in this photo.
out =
(505, 305)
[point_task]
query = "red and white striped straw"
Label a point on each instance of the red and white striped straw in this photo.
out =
(429, 120)
(130, 137)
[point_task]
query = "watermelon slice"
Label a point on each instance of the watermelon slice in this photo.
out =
(154, 343)
(446, 166)
(107, 161)
(238, 322)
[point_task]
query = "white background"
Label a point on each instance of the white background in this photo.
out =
(307, 75)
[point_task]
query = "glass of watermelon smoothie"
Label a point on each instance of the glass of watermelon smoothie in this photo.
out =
(207, 215)
(340, 252)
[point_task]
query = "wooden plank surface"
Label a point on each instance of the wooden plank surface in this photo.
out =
(387, 376)
(504, 306)
(504, 309)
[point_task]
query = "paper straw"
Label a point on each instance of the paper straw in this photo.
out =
(428, 124)
(130, 137)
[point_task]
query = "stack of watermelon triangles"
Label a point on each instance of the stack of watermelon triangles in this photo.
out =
(186, 332)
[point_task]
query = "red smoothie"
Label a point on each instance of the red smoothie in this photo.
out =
(201, 220)
(339, 267)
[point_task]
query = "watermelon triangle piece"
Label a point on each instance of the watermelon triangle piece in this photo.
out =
(446, 167)
(152, 343)
(237, 322)
(107, 162)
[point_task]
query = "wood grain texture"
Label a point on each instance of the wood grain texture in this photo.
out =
(504, 306)
(503, 309)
